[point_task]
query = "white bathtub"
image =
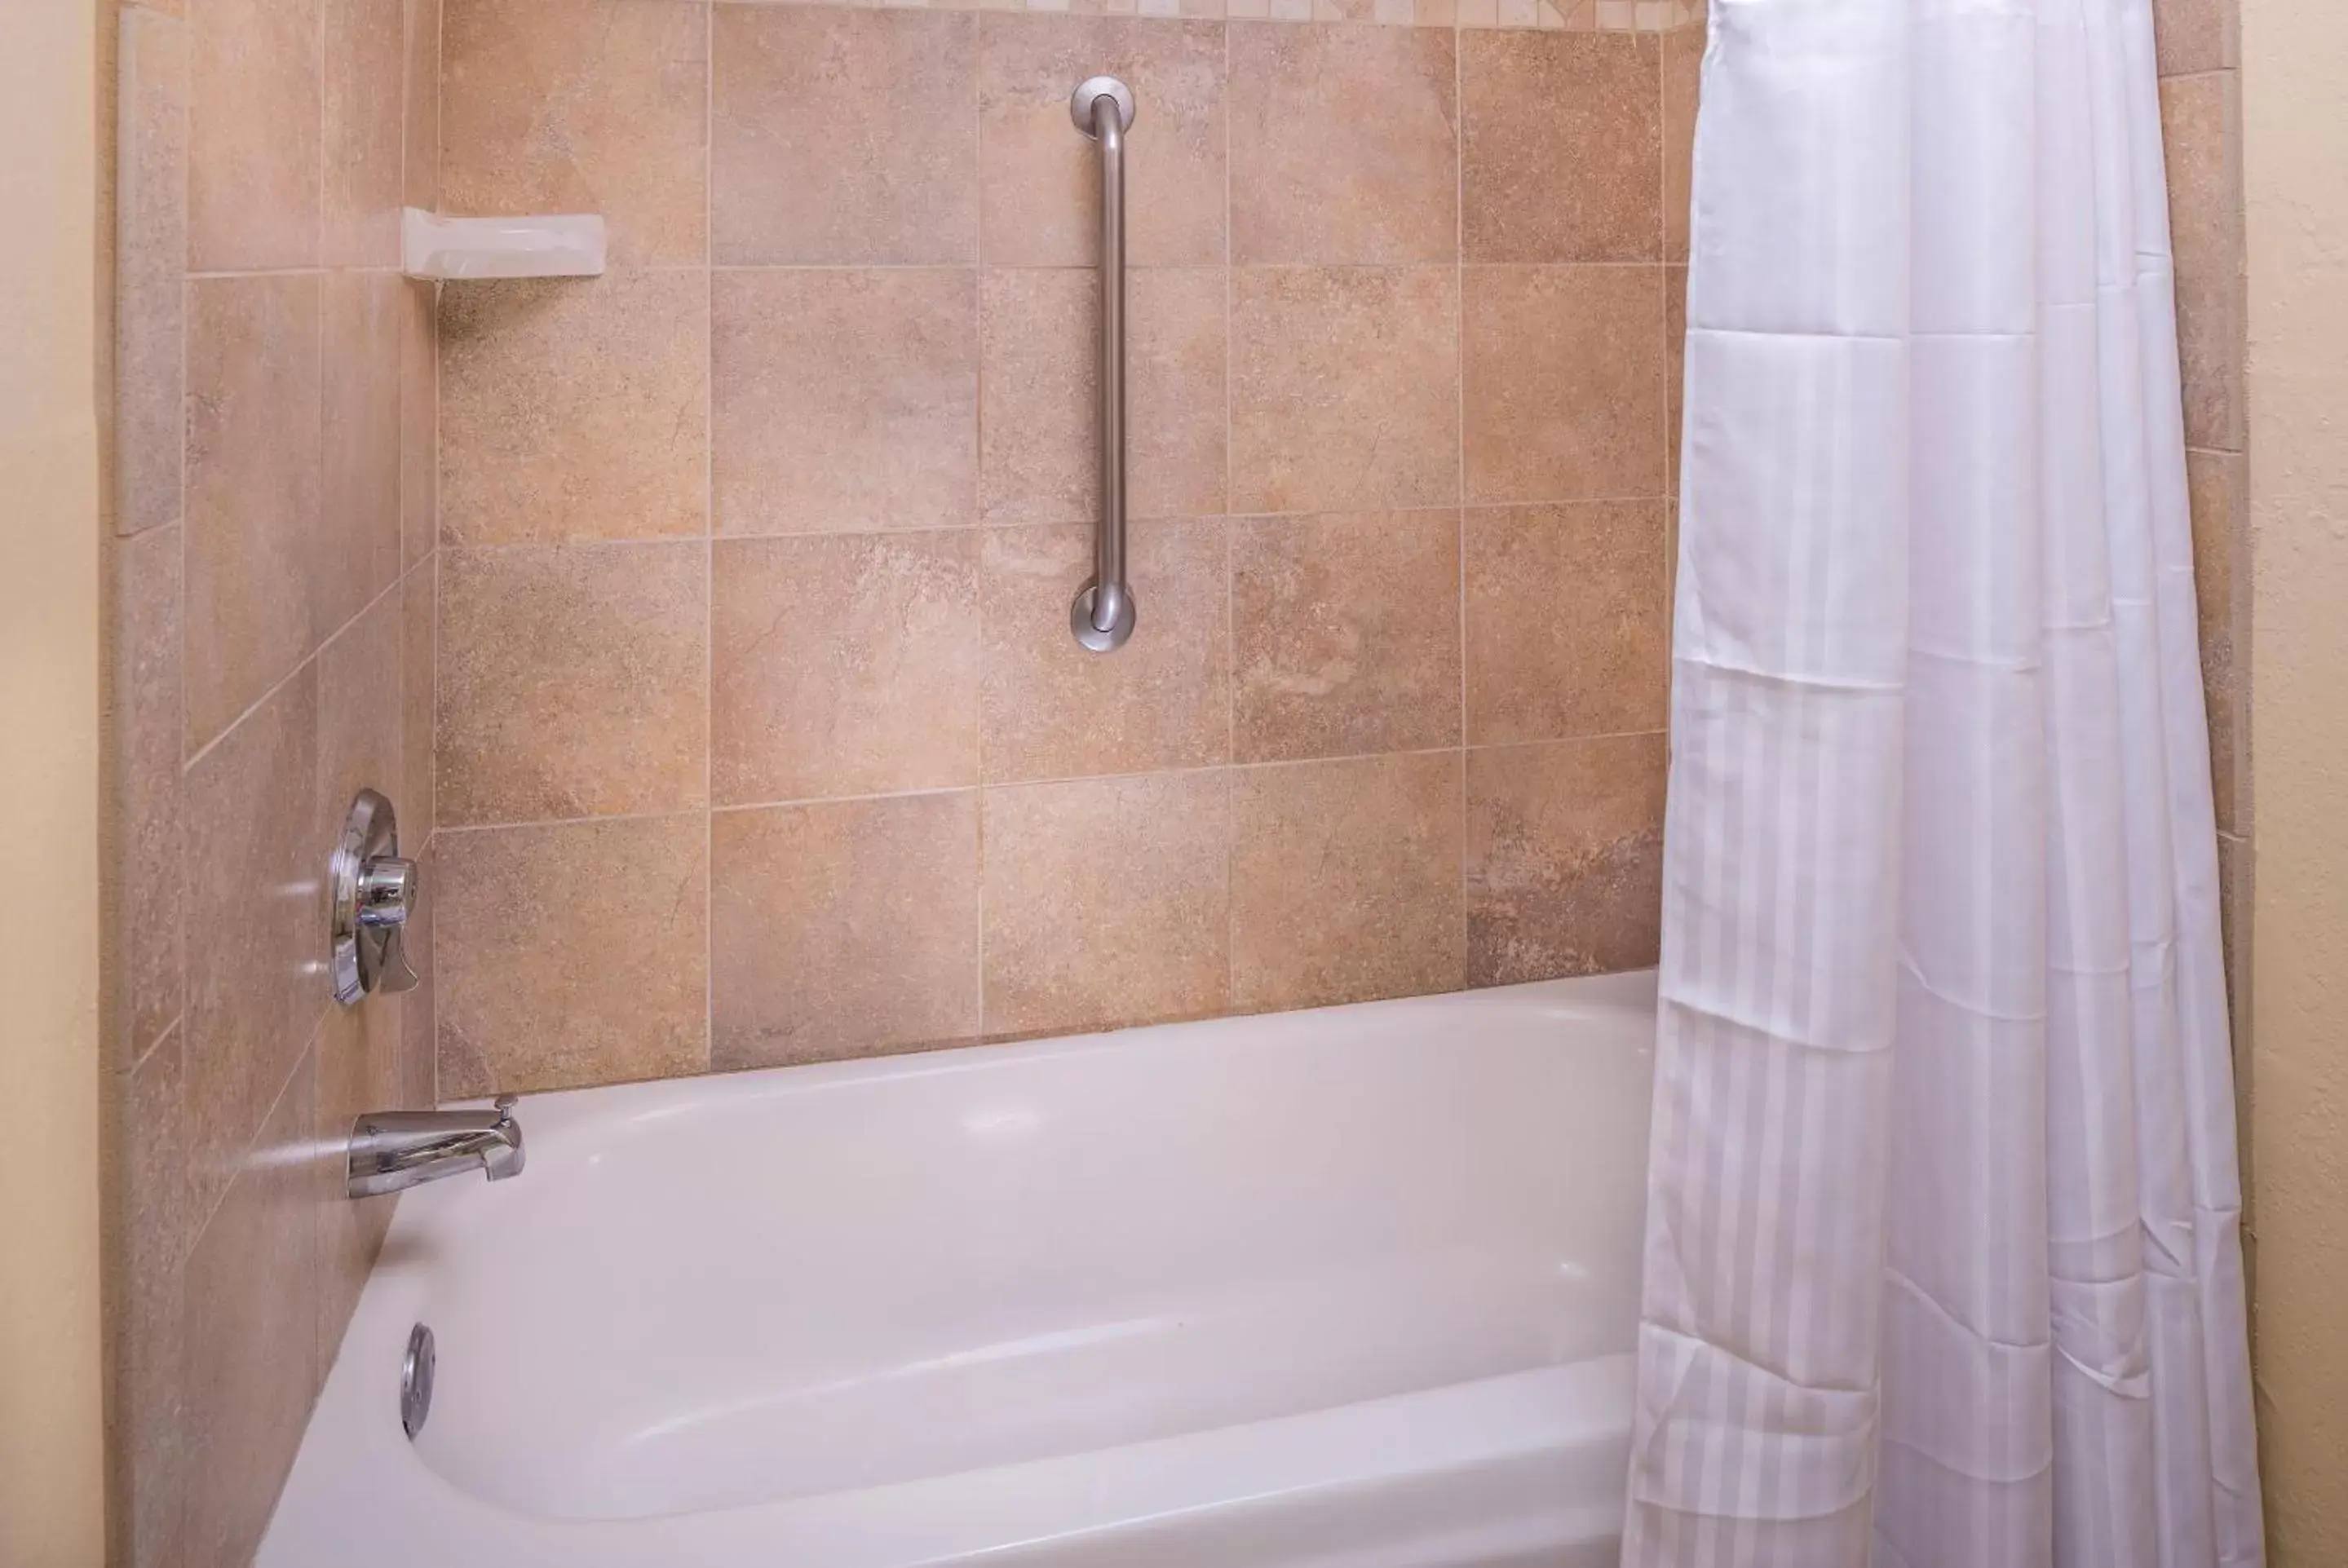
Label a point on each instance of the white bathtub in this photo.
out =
(1351, 1288)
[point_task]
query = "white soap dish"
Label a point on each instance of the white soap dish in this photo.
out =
(564, 245)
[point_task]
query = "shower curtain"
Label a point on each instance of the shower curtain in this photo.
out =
(1942, 1260)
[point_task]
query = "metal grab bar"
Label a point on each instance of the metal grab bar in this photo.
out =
(1102, 616)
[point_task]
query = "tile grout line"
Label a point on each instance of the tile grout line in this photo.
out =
(977, 515)
(432, 728)
(250, 709)
(243, 1164)
(1460, 394)
(314, 1045)
(1050, 781)
(411, 570)
(1600, 265)
(143, 1054)
(314, 1042)
(212, 274)
(1663, 251)
(709, 537)
(1355, 516)
(1232, 592)
(317, 652)
(1565, 10)
(184, 286)
(408, 569)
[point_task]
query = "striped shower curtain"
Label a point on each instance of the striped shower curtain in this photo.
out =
(1942, 1260)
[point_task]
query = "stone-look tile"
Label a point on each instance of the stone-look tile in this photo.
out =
(1674, 373)
(2191, 35)
(1682, 75)
(253, 477)
(2235, 867)
(358, 553)
(1345, 881)
(1163, 700)
(817, 153)
(362, 744)
(1107, 902)
(843, 664)
(843, 929)
(1039, 183)
(257, 872)
(1564, 390)
(148, 1469)
(358, 1057)
(1039, 331)
(1671, 584)
(1039, 352)
(150, 256)
(362, 722)
(1176, 353)
(2218, 485)
(254, 120)
(148, 854)
(1345, 145)
(1565, 620)
(420, 39)
(2200, 121)
(573, 680)
(1561, 138)
(1344, 388)
(250, 1331)
(572, 954)
(844, 399)
(1344, 634)
(420, 420)
(418, 1047)
(581, 106)
(1565, 851)
(575, 408)
(420, 645)
(364, 132)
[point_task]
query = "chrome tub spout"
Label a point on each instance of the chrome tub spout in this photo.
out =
(391, 1150)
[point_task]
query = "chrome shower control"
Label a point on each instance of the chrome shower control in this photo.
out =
(386, 890)
(374, 891)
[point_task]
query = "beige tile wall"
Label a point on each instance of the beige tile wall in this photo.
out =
(2200, 105)
(760, 735)
(2201, 127)
(271, 565)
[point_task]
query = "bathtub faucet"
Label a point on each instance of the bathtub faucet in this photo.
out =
(391, 1150)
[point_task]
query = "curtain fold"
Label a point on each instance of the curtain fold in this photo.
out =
(1942, 1261)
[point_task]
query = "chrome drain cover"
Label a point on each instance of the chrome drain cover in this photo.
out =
(415, 1381)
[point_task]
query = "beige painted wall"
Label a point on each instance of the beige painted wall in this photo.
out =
(2295, 123)
(50, 1456)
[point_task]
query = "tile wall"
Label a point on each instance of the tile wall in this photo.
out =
(2200, 104)
(2201, 128)
(760, 735)
(269, 560)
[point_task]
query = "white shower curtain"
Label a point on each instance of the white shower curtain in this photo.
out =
(1943, 1259)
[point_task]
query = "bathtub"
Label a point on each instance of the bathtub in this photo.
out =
(1352, 1288)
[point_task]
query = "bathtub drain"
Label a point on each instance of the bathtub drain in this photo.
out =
(415, 1381)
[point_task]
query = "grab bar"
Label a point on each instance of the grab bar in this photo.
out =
(1102, 616)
